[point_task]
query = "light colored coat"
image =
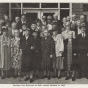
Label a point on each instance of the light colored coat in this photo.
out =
(59, 45)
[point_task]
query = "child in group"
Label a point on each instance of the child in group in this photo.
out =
(59, 48)
(16, 54)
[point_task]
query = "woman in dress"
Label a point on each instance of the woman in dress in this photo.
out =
(70, 51)
(36, 53)
(5, 61)
(46, 46)
(16, 53)
(59, 48)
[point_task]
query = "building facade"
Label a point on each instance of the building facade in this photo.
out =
(37, 10)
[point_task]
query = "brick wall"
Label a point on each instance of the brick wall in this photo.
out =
(77, 8)
(4, 9)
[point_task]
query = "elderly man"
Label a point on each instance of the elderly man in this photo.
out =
(18, 22)
(82, 51)
(82, 20)
(49, 23)
(58, 22)
(24, 20)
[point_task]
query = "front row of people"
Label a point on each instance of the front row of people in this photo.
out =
(30, 53)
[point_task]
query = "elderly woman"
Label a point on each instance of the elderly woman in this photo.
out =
(59, 48)
(16, 53)
(70, 51)
(5, 62)
(46, 46)
(65, 34)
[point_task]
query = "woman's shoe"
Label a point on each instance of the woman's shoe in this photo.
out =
(59, 77)
(15, 76)
(55, 76)
(67, 78)
(44, 76)
(73, 78)
(31, 80)
(27, 78)
(3, 77)
(48, 77)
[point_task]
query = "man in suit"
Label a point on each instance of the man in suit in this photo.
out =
(24, 20)
(82, 52)
(82, 20)
(17, 20)
(58, 22)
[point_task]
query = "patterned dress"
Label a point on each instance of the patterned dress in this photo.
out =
(16, 53)
(69, 54)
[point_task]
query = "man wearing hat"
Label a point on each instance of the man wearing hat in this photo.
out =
(82, 51)
(58, 22)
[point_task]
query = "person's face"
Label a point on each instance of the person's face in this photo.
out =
(38, 23)
(45, 34)
(17, 20)
(73, 18)
(54, 33)
(49, 20)
(26, 33)
(68, 19)
(70, 35)
(16, 34)
(35, 34)
(33, 26)
(44, 19)
(4, 33)
(83, 29)
(63, 29)
(53, 26)
(67, 28)
(23, 18)
(6, 18)
(14, 26)
(64, 20)
(24, 27)
(55, 17)
(82, 19)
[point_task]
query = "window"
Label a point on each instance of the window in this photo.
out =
(64, 5)
(14, 13)
(31, 5)
(15, 5)
(49, 5)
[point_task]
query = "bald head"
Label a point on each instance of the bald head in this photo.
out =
(82, 18)
(73, 17)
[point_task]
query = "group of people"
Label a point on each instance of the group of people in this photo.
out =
(43, 45)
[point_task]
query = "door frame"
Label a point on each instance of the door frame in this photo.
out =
(24, 11)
